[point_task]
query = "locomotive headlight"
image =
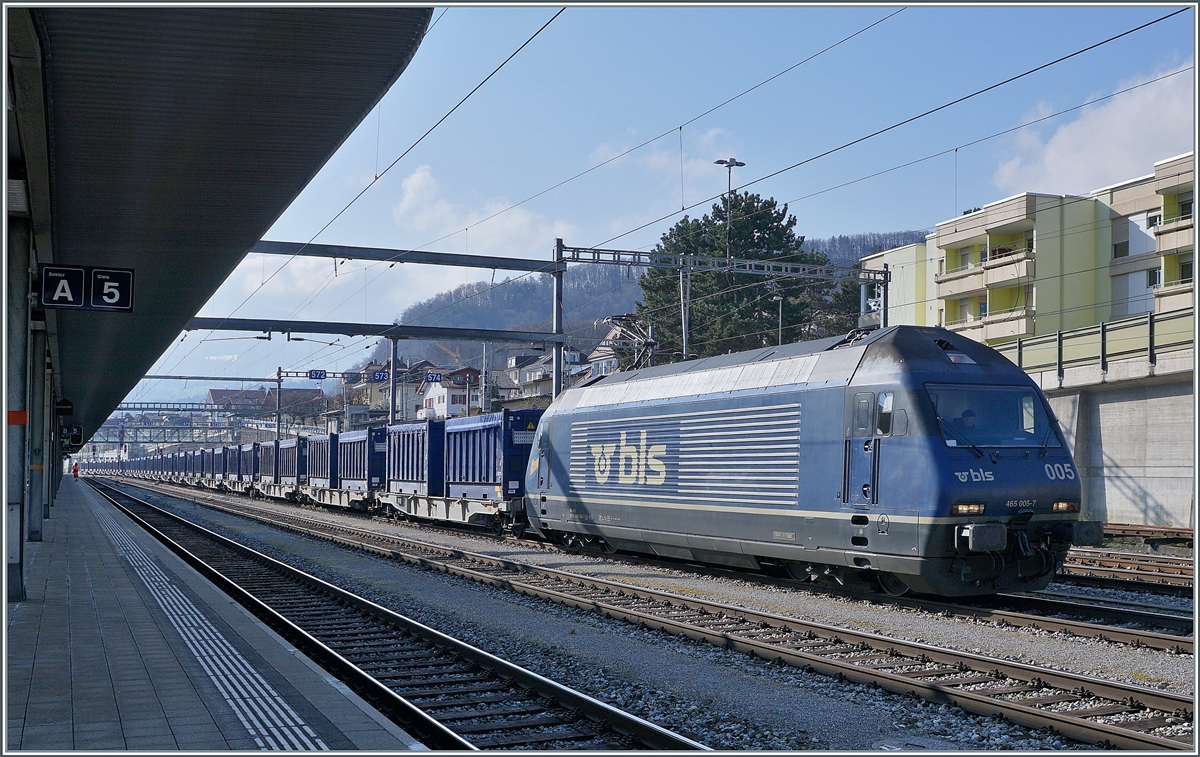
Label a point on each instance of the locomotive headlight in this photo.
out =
(1065, 506)
(966, 508)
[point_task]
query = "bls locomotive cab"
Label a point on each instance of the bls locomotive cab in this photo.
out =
(910, 455)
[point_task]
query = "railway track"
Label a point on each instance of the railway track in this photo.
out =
(1020, 610)
(1116, 569)
(1032, 610)
(447, 693)
(1150, 534)
(1081, 707)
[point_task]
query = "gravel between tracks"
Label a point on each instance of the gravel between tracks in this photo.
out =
(1143, 667)
(725, 699)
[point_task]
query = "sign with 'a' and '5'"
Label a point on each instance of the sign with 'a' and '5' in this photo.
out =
(86, 288)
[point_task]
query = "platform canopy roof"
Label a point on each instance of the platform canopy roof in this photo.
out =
(168, 140)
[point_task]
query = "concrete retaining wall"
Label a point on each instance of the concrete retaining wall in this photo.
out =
(1133, 438)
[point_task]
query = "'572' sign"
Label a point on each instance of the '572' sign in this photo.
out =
(86, 288)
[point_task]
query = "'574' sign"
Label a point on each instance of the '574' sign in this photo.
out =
(86, 288)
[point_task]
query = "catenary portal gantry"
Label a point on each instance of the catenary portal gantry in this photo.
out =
(555, 268)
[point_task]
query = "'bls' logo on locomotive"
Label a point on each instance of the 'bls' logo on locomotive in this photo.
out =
(635, 464)
(975, 475)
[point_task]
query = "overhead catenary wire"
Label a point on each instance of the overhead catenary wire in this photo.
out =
(901, 123)
(954, 149)
(654, 139)
(679, 128)
(993, 86)
(375, 181)
(1085, 228)
(710, 110)
(937, 154)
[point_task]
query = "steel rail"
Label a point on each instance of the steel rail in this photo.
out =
(1139, 602)
(1183, 624)
(1121, 578)
(432, 733)
(1136, 561)
(814, 645)
(1149, 532)
(1175, 643)
(425, 726)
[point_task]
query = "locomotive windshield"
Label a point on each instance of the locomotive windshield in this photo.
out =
(991, 416)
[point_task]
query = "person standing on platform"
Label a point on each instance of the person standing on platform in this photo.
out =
(75, 471)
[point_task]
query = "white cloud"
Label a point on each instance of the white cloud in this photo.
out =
(517, 232)
(1109, 142)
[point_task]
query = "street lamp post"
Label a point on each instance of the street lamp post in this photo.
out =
(779, 298)
(729, 165)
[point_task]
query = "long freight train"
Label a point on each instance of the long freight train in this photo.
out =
(909, 456)
(467, 470)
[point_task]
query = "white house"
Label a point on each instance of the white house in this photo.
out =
(453, 396)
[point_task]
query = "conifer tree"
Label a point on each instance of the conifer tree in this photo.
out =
(732, 312)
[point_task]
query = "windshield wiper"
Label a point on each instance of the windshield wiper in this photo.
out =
(959, 434)
(1045, 445)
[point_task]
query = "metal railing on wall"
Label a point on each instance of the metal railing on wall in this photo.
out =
(1148, 336)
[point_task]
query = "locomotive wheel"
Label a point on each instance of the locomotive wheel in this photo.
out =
(891, 584)
(798, 571)
(518, 529)
(572, 544)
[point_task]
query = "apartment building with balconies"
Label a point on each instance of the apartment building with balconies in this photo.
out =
(1035, 264)
(912, 297)
(1152, 239)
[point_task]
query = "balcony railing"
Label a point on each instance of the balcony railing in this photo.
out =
(1001, 252)
(958, 269)
(1147, 335)
(1169, 225)
(1020, 311)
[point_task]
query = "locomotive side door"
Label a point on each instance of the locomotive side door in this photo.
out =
(861, 459)
(543, 462)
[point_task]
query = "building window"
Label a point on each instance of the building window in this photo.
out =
(1153, 278)
(1185, 209)
(982, 308)
(1153, 220)
(1185, 272)
(1121, 249)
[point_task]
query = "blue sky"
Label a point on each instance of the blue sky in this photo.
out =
(599, 81)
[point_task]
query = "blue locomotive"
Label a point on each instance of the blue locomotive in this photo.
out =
(911, 456)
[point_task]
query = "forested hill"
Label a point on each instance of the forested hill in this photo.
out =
(590, 292)
(852, 247)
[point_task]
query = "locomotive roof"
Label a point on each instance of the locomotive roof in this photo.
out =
(856, 358)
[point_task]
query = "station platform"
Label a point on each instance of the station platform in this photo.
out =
(121, 645)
